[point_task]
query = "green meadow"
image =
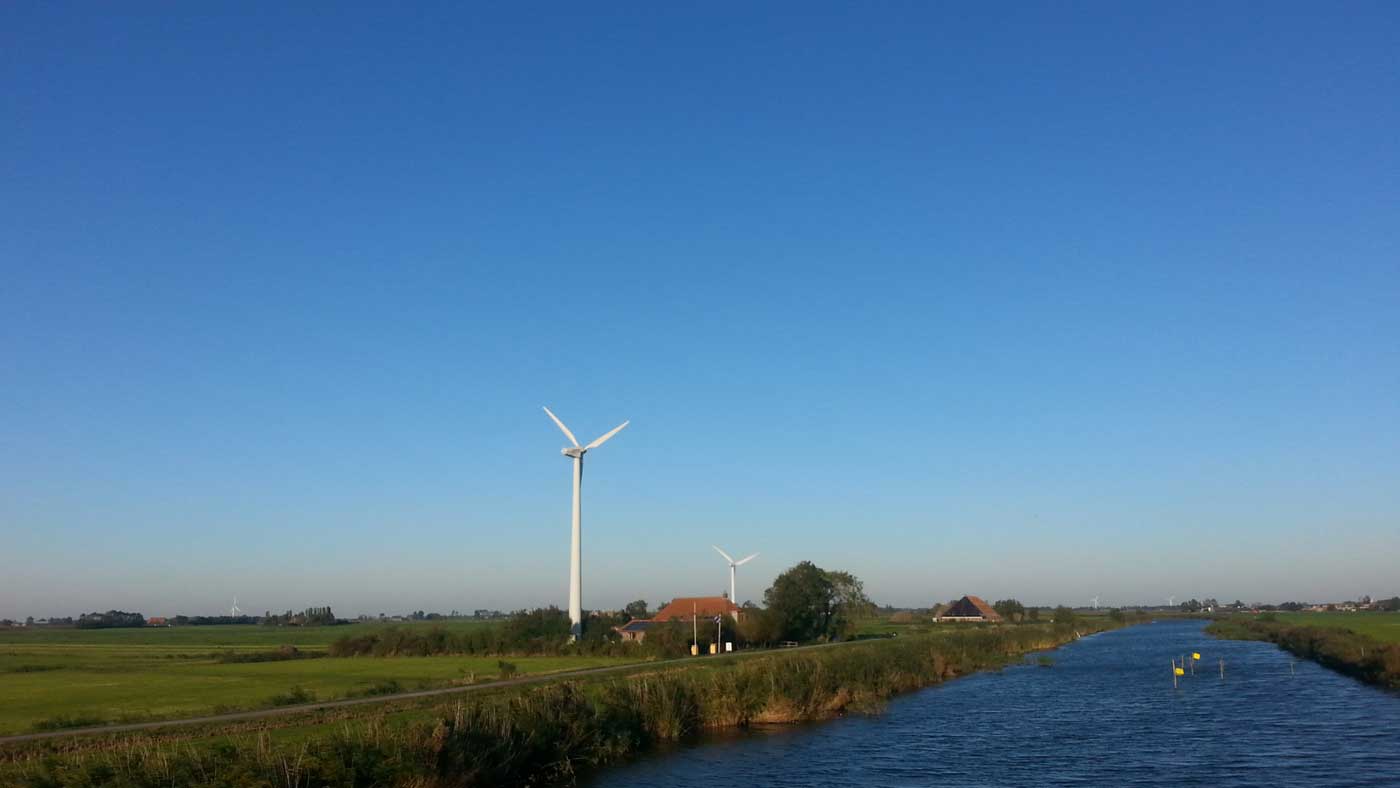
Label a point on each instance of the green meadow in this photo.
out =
(70, 677)
(1384, 627)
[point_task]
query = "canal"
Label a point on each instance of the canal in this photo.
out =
(1105, 714)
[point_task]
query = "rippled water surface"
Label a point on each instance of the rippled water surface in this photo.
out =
(1104, 715)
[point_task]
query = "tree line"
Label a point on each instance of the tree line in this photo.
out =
(112, 619)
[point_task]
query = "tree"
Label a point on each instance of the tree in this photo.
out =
(1064, 615)
(807, 602)
(29, 621)
(637, 609)
(1010, 609)
(1034, 615)
(851, 603)
(801, 602)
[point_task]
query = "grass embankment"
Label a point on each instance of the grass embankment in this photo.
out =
(1363, 655)
(549, 733)
(74, 678)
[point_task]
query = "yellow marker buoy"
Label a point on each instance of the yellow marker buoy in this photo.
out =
(1180, 672)
(1195, 655)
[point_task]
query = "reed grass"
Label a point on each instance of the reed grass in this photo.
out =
(1350, 653)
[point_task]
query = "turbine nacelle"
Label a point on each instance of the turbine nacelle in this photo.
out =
(574, 452)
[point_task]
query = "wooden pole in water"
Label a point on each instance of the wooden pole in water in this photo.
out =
(1291, 663)
(1174, 674)
(1222, 669)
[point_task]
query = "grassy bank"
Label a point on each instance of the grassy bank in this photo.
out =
(548, 734)
(1384, 627)
(1361, 656)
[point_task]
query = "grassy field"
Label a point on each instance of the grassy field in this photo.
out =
(1384, 627)
(544, 734)
(66, 677)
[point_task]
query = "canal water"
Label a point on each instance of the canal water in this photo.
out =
(1104, 715)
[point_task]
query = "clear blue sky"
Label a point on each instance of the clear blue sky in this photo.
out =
(1046, 301)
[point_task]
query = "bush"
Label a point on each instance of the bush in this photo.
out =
(295, 696)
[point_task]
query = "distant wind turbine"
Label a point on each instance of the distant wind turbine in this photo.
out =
(1094, 601)
(1171, 601)
(733, 567)
(234, 612)
(576, 552)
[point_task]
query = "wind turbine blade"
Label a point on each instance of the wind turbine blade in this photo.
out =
(746, 560)
(572, 439)
(604, 439)
(721, 552)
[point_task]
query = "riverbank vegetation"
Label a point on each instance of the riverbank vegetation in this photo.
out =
(1361, 656)
(553, 732)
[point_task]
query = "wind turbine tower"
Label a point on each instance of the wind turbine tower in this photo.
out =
(234, 612)
(576, 551)
(1094, 602)
(733, 567)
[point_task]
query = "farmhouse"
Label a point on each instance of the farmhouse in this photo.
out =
(683, 609)
(969, 608)
(635, 630)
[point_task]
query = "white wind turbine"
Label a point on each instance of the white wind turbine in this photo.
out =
(733, 567)
(576, 552)
(1094, 601)
(234, 612)
(1171, 601)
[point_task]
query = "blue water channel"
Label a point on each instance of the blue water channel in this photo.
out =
(1104, 715)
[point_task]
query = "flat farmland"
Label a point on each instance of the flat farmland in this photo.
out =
(1384, 627)
(67, 677)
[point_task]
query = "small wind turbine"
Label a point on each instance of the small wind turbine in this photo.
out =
(234, 612)
(1171, 601)
(733, 566)
(576, 551)
(1094, 601)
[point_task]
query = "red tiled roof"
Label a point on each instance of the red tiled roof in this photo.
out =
(682, 608)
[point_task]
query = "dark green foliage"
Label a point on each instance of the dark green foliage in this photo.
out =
(310, 617)
(637, 609)
(1347, 652)
(539, 632)
(1010, 609)
(807, 603)
(292, 697)
(110, 620)
(211, 621)
(380, 687)
(281, 654)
